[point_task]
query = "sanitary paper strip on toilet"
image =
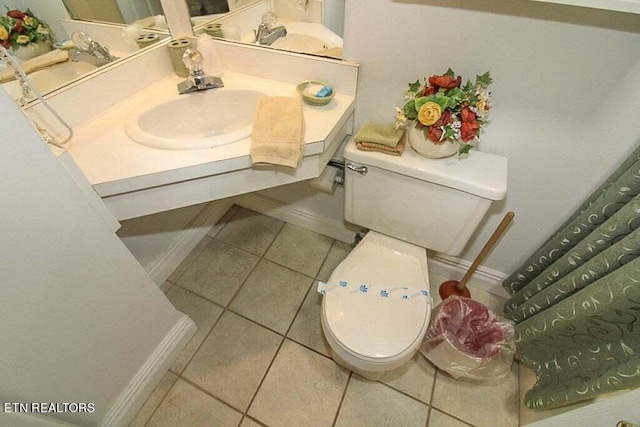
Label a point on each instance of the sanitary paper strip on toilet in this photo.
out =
(366, 289)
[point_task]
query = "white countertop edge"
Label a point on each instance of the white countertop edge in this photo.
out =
(114, 163)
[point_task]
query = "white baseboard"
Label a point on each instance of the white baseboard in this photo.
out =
(189, 238)
(455, 268)
(484, 278)
(150, 374)
(302, 218)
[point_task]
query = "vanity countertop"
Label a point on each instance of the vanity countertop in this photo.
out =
(115, 164)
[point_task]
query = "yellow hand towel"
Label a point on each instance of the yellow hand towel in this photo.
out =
(37, 63)
(278, 132)
(379, 134)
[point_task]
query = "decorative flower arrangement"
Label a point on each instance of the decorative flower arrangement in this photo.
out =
(22, 28)
(444, 110)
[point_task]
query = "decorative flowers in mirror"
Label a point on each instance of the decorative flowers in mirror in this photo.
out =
(444, 110)
(19, 29)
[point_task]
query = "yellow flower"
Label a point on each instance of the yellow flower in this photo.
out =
(429, 113)
(4, 34)
(22, 39)
(28, 21)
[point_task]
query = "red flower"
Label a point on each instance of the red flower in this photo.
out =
(429, 90)
(17, 27)
(445, 81)
(470, 126)
(435, 130)
(16, 14)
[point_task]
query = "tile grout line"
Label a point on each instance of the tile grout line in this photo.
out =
(160, 402)
(344, 394)
(179, 374)
(432, 407)
(253, 398)
(433, 392)
(246, 412)
(284, 338)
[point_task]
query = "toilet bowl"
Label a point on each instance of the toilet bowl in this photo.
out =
(377, 305)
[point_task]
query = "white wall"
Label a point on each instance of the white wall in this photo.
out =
(80, 319)
(148, 238)
(566, 97)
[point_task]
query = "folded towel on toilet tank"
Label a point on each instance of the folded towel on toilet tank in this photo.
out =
(370, 146)
(377, 133)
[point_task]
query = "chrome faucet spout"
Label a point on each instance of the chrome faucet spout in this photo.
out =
(266, 33)
(197, 79)
(89, 50)
(266, 36)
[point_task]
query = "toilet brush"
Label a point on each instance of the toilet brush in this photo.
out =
(459, 288)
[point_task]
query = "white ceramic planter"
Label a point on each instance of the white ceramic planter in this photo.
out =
(426, 148)
(31, 50)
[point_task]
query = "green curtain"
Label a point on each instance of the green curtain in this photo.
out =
(576, 300)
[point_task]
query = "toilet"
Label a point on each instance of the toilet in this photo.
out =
(377, 303)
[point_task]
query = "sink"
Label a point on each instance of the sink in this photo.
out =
(59, 74)
(206, 119)
(301, 43)
(307, 38)
(52, 77)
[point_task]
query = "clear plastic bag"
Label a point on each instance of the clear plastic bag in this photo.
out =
(467, 340)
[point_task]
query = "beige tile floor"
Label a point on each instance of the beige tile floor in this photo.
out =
(259, 357)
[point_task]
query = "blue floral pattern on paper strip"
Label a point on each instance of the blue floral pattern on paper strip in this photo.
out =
(401, 292)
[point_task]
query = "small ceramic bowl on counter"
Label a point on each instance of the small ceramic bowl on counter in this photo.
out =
(315, 92)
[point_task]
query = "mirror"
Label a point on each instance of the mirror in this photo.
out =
(115, 11)
(313, 26)
(67, 63)
(305, 26)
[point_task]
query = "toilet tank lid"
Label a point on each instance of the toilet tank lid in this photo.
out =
(478, 173)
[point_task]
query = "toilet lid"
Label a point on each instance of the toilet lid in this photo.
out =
(377, 302)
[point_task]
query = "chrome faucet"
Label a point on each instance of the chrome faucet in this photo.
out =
(89, 50)
(266, 33)
(197, 79)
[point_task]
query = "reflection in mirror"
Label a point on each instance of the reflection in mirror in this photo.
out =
(66, 62)
(115, 11)
(304, 26)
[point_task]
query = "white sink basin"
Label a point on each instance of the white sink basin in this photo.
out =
(307, 37)
(301, 43)
(52, 77)
(57, 75)
(196, 120)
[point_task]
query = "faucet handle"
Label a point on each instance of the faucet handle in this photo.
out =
(81, 39)
(192, 59)
(269, 19)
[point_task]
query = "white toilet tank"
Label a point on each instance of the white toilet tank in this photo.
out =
(435, 204)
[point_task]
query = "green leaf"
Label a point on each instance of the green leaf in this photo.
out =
(484, 80)
(464, 149)
(410, 111)
(442, 101)
(420, 101)
(448, 133)
(450, 73)
(455, 97)
(413, 87)
(438, 98)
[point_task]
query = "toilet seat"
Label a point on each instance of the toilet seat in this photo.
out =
(377, 304)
